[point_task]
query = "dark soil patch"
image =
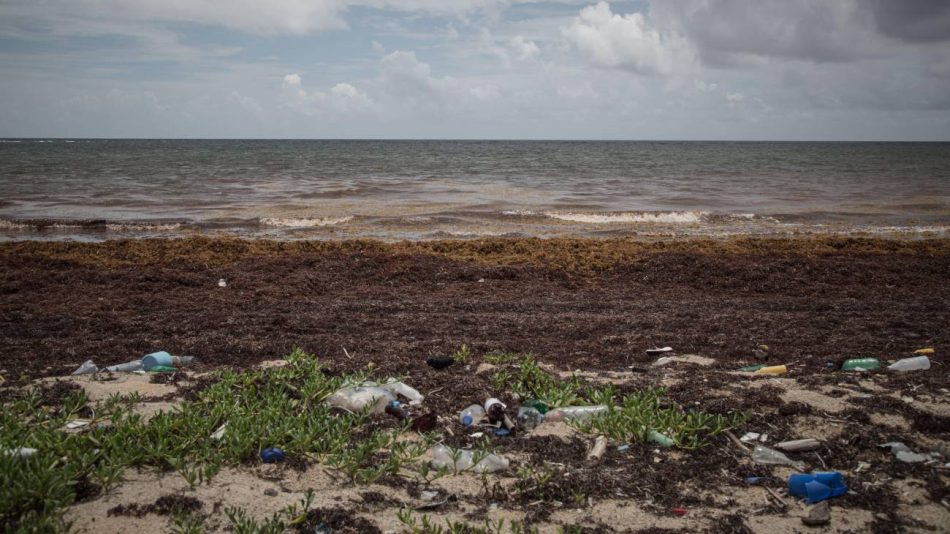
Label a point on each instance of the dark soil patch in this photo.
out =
(165, 505)
(338, 520)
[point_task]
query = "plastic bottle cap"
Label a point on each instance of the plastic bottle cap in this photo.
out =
(466, 420)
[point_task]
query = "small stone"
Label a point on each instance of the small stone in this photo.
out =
(819, 515)
(270, 492)
(428, 495)
(760, 354)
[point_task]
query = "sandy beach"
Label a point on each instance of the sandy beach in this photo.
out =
(584, 308)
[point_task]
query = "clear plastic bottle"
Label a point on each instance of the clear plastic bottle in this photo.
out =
(918, 363)
(575, 413)
(529, 418)
(765, 455)
(358, 398)
(127, 367)
(472, 415)
(462, 459)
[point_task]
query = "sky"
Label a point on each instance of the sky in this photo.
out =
(476, 69)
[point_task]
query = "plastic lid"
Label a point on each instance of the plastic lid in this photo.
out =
(466, 420)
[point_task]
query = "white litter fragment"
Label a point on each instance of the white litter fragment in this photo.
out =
(222, 283)
(219, 433)
(750, 436)
(77, 423)
(20, 452)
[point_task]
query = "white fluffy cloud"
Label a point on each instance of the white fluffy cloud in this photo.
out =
(524, 49)
(626, 41)
(341, 98)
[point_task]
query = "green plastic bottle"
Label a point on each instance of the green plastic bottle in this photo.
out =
(538, 405)
(861, 363)
(752, 368)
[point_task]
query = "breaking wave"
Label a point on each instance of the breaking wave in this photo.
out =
(669, 217)
(303, 222)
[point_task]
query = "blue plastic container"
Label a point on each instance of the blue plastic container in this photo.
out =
(817, 487)
(272, 455)
(155, 359)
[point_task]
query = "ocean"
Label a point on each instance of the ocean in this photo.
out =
(82, 189)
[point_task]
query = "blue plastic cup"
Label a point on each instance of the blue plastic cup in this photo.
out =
(155, 359)
(817, 487)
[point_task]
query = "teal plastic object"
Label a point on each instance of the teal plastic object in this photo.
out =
(155, 359)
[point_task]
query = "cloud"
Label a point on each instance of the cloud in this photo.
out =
(624, 41)
(918, 21)
(524, 49)
(342, 98)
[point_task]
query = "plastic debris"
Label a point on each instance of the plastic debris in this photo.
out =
(529, 418)
(272, 455)
(163, 369)
(657, 352)
(917, 363)
(440, 362)
(428, 495)
(127, 367)
(751, 368)
(906, 455)
(624, 447)
(502, 432)
(753, 481)
(20, 452)
(861, 364)
(472, 415)
(598, 449)
(679, 512)
(86, 368)
(817, 487)
(164, 359)
(399, 388)
(799, 445)
(464, 459)
(359, 398)
(575, 413)
(655, 437)
(222, 282)
(818, 515)
(538, 405)
(663, 361)
(77, 423)
(219, 433)
(928, 351)
(767, 456)
(772, 370)
(750, 436)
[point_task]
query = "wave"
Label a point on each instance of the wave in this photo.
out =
(662, 217)
(98, 225)
(303, 222)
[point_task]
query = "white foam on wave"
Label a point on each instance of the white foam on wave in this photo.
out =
(303, 222)
(668, 217)
(143, 227)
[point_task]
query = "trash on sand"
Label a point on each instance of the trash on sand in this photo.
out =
(472, 415)
(529, 418)
(624, 447)
(799, 445)
(272, 455)
(818, 515)
(751, 368)
(679, 512)
(127, 367)
(538, 405)
(598, 449)
(575, 413)
(663, 361)
(502, 432)
(463, 459)
(906, 455)
(861, 364)
(399, 388)
(495, 411)
(164, 359)
(767, 456)
(222, 282)
(428, 495)
(657, 352)
(655, 437)
(20, 452)
(86, 368)
(163, 369)
(219, 433)
(440, 362)
(917, 363)
(772, 370)
(77, 423)
(753, 436)
(358, 398)
(816, 487)
(928, 350)
(752, 481)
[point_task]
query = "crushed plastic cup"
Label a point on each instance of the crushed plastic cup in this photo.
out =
(358, 398)
(817, 487)
(917, 363)
(463, 459)
(87, 368)
(767, 456)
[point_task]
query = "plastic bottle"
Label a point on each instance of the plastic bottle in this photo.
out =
(773, 370)
(575, 413)
(655, 437)
(462, 459)
(538, 405)
(751, 368)
(86, 368)
(358, 398)
(472, 415)
(765, 455)
(127, 367)
(863, 364)
(529, 418)
(918, 363)
(399, 388)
